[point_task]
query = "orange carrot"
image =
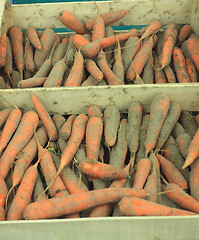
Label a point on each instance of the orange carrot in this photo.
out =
(118, 67)
(3, 49)
(160, 43)
(45, 118)
(29, 62)
(158, 113)
(65, 130)
(57, 40)
(58, 120)
(56, 75)
(183, 141)
(64, 40)
(194, 180)
(16, 38)
(71, 21)
(193, 151)
(176, 194)
(33, 37)
(159, 73)
(59, 206)
(94, 131)
(193, 48)
(94, 111)
(93, 69)
(2, 214)
(142, 172)
(109, 50)
(9, 128)
(151, 29)
(91, 49)
(8, 66)
(15, 78)
(184, 33)
(148, 71)
(59, 52)
(4, 115)
(3, 192)
(108, 18)
(169, 74)
(76, 74)
(38, 189)
(180, 66)
(133, 206)
(21, 137)
(44, 69)
(79, 41)
(191, 70)
(32, 82)
(90, 81)
(111, 78)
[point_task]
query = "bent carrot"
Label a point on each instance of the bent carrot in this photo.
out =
(184, 33)
(59, 206)
(93, 69)
(33, 37)
(32, 82)
(45, 118)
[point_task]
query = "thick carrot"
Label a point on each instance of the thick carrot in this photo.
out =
(158, 113)
(28, 56)
(169, 74)
(160, 43)
(133, 206)
(170, 37)
(45, 118)
(4, 114)
(183, 199)
(3, 192)
(193, 48)
(91, 49)
(184, 33)
(194, 180)
(159, 73)
(133, 127)
(188, 123)
(32, 82)
(58, 120)
(79, 41)
(168, 124)
(90, 81)
(9, 128)
(59, 206)
(44, 69)
(94, 111)
(140, 59)
(98, 27)
(64, 40)
(8, 66)
(142, 172)
(180, 66)
(93, 69)
(71, 21)
(16, 38)
(118, 67)
(33, 37)
(119, 150)
(76, 74)
(66, 128)
(38, 189)
(183, 141)
(47, 41)
(152, 28)
(56, 75)
(148, 71)
(59, 52)
(191, 70)
(94, 131)
(3, 49)
(108, 18)
(40, 32)
(21, 137)
(111, 78)
(177, 130)
(111, 124)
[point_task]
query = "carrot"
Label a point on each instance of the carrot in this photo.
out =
(93, 69)
(61, 144)
(194, 180)
(58, 120)
(193, 48)
(148, 71)
(160, 43)
(4, 114)
(79, 41)
(133, 206)
(15, 78)
(40, 32)
(176, 194)
(64, 40)
(133, 127)
(59, 206)
(38, 189)
(3, 49)
(56, 75)
(2, 214)
(29, 62)
(191, 70)
(169, 74)
(47, 41)
(166, 201)
(65, 130)
(140, 59)
(183, 141)
(21, 137)
(152, 28)
(33, 37)
(44, 69)
(143, 130)
(184, 33)
(94, 111)
(188, 122)
(159, 73)
(118, 67)
(76, 74)
(57, 40)
(8, 65)
(45, 118)
(168, 124)
(9, 128)
(177, 130)
(91, 49)
(170, 37)
(3, 85)
(111, 124)
(71, 21)
(108, 18)
(197, 119)
(180, 67)
(3, 192)
(111, 78)
(119, 150)
(59, 52)
(103, 82)
(32, 82)
(158, 113)
(142, 172)
(94, 131)
(90, 81)
(109, 50)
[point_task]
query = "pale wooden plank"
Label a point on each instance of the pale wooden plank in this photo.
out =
(2, 7)
(46, 15)
(79, 99)
(195, 17)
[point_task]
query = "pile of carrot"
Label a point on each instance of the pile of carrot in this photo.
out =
(94, 55)
(100, 163)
